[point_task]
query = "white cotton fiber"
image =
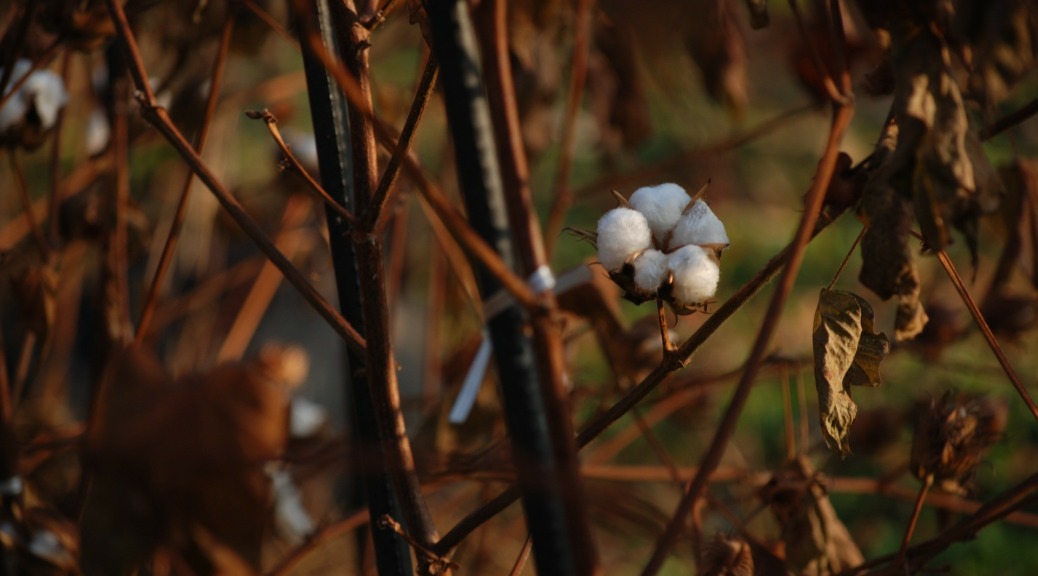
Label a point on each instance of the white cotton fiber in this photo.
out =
(43, 90)
(621, 233)
(661, 205)
(650, 270)
(699, 226)
(695, 275)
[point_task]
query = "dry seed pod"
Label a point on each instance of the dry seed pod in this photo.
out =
(622, 233)
(662, 206)
(952, 434)
(727, 557)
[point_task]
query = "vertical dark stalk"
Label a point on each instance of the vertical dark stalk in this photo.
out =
(530, 371)
(329, 112)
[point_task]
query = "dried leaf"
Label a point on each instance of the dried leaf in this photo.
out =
(817, 542)
(175, 457)
(847, 353)
(952, 434)
(887, 266)
(727, 557)
(717, 45)
(1005, 38)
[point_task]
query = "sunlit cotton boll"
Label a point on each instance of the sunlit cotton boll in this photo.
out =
(699, 226)
(662, 206)
(43, 91)
(650, 270)
(695, 275)
(621, 233)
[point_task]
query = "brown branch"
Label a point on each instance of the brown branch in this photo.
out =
(158, 117)
(1009, 120)
(23, 195)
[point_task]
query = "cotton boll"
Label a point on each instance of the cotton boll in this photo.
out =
(695, 275)
(650, 270)
(98, 132)
(699, 226)
(661, 205)
(621, 233)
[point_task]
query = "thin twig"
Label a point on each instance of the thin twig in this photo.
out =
(1009, 120)
(916, 510)
(377, 216)
(272, 126)
(562, 197)
(989, 336)
(522, 558)
(158, 117)
(166, 256)
(846, 258)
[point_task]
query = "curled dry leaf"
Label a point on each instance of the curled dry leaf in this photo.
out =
(938, 162)
(887, 266)
(847, 353)
(816, 541)
(952, 434)
(176, 458)
(717, 45)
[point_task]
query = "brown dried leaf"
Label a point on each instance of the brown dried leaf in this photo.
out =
(1005, 47)
(717, 45)
(952, 434)
(847, 353)
(171, 457)
(817, 542)
(1020, 215)
(887, 266)
(727, 557)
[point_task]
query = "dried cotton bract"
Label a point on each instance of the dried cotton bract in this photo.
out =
(663, 244)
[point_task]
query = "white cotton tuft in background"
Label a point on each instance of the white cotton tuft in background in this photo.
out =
(650, 270)
(699, 226)
(661, 205)
(621, 233)
(695, 275)
(43, 90)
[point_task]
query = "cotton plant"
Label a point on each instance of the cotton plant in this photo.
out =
(663, 245)
(31, 111)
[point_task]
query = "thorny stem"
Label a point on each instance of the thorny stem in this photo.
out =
(158, 117)
(712, 457)
(563, 196)
(166, 256)
(989, 336)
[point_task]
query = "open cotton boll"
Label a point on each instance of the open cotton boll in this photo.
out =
(621, 233)
(43, 91)
(699, 226)
(695, 275)
(661, 205)
(650, 270)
